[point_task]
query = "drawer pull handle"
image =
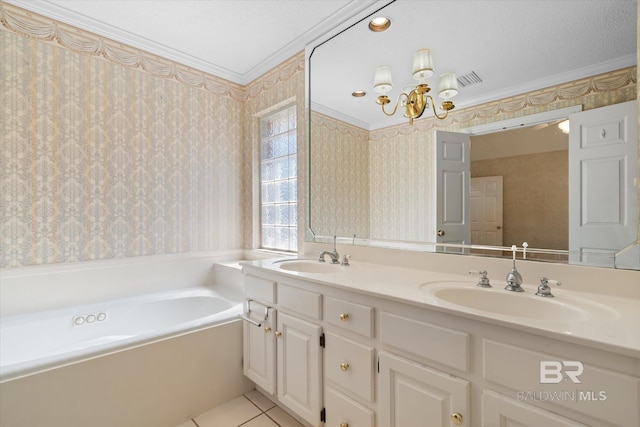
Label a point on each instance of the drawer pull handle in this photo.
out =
(456, 418)
(344, 425)
(344, 317)
(267, 329)
(344, 366)
(277, 334)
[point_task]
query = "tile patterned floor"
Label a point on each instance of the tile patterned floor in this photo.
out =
(251, 410)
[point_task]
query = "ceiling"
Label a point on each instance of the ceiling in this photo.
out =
(238, 40)
(514, 46)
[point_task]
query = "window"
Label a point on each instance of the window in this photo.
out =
(278, 181)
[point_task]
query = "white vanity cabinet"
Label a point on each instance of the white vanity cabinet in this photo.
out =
(284, 355)
(393, 362)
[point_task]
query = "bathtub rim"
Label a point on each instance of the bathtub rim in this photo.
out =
(42, 287)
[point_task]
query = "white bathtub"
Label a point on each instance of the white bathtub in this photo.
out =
(40, 341)
(169, 346)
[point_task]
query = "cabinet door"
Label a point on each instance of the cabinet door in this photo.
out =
(500, 411)
(299, 363)
(412, 395)
(259, 352)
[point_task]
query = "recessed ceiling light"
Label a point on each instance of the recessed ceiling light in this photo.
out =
(379, 24)
(358, 93)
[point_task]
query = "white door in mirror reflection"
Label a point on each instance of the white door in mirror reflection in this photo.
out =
(486, 210)
(453, 169)
(603, 151)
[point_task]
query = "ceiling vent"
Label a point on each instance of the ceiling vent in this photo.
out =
(469, 79)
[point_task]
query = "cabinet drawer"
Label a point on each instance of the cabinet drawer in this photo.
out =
(260, 289)
(349, 365)
(436, 343)
(347, 315)
(300, 301)
(600, 393)
(342, 411)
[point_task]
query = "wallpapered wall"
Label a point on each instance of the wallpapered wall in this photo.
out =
(128, 156)
(340, 169)
(401, 187)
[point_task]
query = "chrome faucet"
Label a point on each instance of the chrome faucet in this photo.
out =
(544, 290)
(335, 257)
(514, 278)
(483, 281)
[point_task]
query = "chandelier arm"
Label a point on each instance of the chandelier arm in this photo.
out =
(396, 106)
(433, 107)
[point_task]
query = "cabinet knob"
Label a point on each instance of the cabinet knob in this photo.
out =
(277, 333)
(456, 418)
(344, 316)
(344, 366)
(344, 424)
(267, 329)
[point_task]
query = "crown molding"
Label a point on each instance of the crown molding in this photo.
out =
(318, 108)
(524, 121)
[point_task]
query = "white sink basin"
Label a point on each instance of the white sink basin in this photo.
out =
(526, 304)
(308, 266)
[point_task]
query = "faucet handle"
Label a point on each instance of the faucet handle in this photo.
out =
(483, 282)
(345, 260)
(553, 282)
(544, 290)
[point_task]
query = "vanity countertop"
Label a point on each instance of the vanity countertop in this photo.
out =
(613, 325)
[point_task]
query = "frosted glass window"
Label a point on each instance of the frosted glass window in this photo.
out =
(278, 178)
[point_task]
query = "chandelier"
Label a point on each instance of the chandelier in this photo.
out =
(417, 100)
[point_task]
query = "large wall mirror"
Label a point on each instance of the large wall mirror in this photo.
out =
(522, 69)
